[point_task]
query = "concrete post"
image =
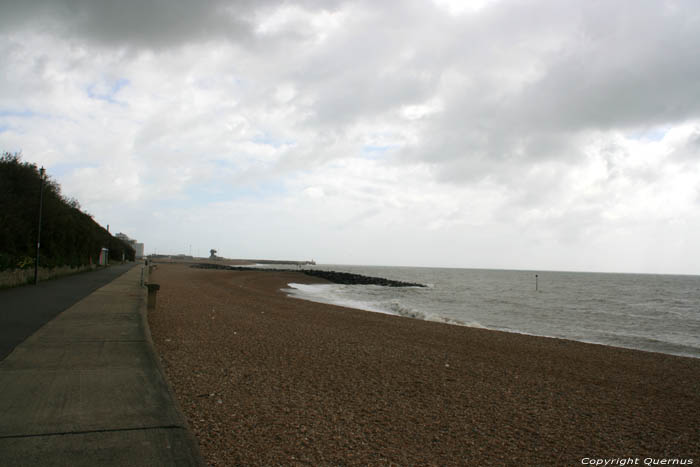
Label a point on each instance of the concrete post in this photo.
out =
(152, 291)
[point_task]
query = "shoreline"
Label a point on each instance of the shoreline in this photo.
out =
(454, 322)
(667, 339)
(264, 378)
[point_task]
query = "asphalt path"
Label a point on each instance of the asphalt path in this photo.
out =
(23, 310)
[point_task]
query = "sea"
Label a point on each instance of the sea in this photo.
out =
(657, 313)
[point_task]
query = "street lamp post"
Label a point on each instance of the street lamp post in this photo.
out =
(38, 234)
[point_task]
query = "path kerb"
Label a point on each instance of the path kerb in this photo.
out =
(87, 389)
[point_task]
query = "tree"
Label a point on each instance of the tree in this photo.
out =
(69, 237)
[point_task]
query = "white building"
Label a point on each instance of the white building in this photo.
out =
(138, 247)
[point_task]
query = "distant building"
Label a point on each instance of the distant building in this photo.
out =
(138, 247)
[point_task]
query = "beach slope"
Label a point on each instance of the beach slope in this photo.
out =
(268, 379)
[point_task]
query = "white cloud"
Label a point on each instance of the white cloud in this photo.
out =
(458, 7)
(418, 111)
(488, 133)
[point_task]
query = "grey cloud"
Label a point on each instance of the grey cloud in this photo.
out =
(133, 23)
(629, 64)
(694, 142)
(595, 67)
(690, 150)
(536, 74)
(151, 24)
(359, 72)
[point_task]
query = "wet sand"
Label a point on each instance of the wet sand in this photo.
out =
(265, 379)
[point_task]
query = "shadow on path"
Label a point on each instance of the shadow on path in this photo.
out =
(23, 310)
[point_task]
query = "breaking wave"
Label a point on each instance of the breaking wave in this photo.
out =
(375, 299)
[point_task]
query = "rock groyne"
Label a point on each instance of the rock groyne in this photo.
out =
(331, 276)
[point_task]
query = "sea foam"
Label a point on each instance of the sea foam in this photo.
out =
(342, 295)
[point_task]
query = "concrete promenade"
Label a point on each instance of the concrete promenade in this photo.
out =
(86, 389)
(23, 310)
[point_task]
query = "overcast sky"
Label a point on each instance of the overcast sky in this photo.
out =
(496, 134)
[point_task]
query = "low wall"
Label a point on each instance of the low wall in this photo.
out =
(17, 277)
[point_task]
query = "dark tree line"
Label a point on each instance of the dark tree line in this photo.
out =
(69, 237)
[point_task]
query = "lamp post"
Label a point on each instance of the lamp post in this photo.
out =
(38, 234)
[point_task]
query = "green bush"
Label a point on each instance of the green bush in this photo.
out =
(69, 237)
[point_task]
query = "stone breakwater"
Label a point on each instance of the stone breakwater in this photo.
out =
(331, 276)
(348, 278)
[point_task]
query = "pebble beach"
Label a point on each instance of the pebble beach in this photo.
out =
(265, 379)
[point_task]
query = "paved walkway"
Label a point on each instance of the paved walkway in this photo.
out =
(86, 389)
(23, 310)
